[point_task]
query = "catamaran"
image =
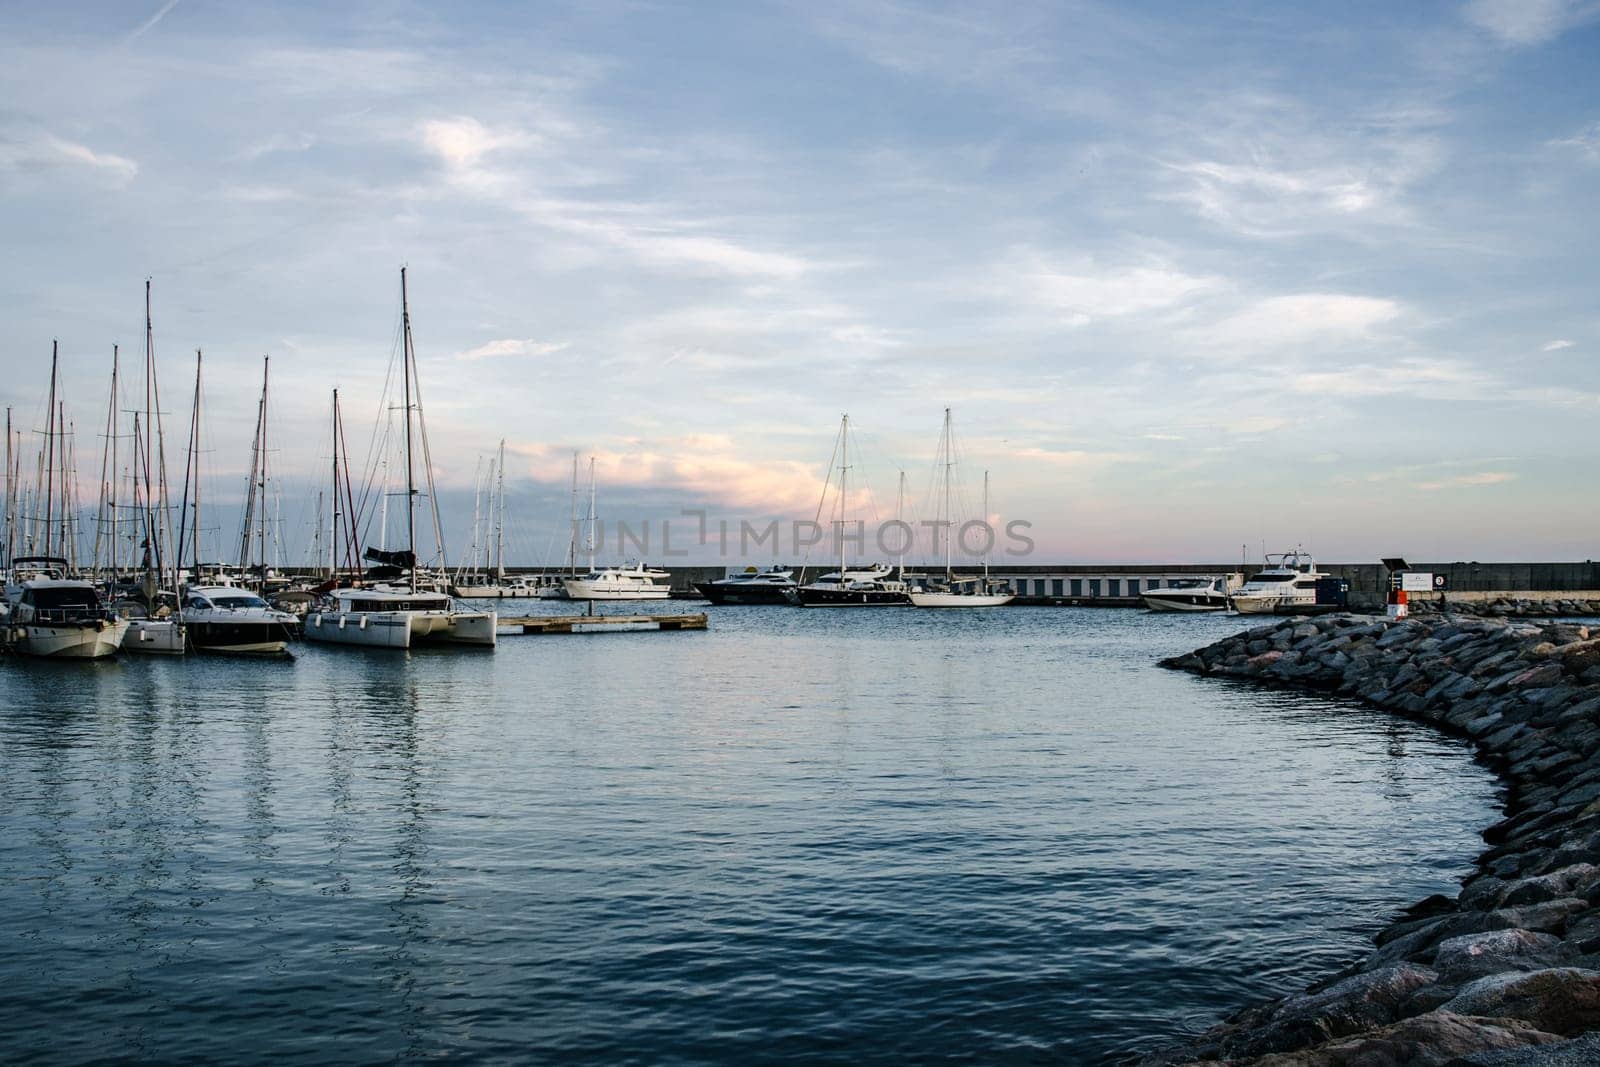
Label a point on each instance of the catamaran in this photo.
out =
(400, 609)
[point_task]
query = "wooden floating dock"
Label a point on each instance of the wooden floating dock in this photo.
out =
(599, 624)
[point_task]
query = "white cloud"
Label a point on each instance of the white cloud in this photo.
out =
(1431, 378)
(1556, 346)
(1085, 295)
(46, 151)
(1288, 322)
(1527, 22)
(1469, 481)
(1585, 141)
(461, 142)
(512, 347)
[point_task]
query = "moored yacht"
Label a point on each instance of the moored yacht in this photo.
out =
(876, 586)
(634, 581)
(1188, 594)
(50, 615)
(770, 586)
(224, 618)
(395, 617)
(947, 590)
(1287, 583)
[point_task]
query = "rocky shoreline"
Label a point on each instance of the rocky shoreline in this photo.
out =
(1508, 971)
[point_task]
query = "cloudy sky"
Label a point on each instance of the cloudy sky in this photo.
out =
(1191, 278)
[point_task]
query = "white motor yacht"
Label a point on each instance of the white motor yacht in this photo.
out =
(1188, 594)
(1286, 584)
(50, 615)
(222, 618)
(633, 581)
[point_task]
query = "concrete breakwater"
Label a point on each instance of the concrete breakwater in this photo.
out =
(1508, 970)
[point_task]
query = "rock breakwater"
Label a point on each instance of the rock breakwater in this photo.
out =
(1508, 970)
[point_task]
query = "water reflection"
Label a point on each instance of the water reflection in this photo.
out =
(799, 834)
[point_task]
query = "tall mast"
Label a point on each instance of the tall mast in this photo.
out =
(50, 455)
(266, 366)
(108, 482)
(987, 537)
(333, 509)
(899, 518)
(194, 438)
(152, 546)
(411, 483)
(500, 514)
(593, 521)
(949, 515)
(191, 469)
(10, 525)
(572, 542)
(844, 494)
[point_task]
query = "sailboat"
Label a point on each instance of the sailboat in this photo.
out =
(877, 585)
(47, 613)
(220, 617)
(951, 591)
(392, 613)
(490, 581)
(157, 628)
(630, 581)
(557, 589)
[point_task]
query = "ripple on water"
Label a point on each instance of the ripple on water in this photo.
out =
(847, 836)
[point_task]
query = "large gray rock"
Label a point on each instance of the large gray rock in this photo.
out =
(1471, 956)
(1579, 1052)
(1360, 1002)
(1432, 1040)
(1558, 1000)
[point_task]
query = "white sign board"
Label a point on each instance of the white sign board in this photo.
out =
(1417, 581)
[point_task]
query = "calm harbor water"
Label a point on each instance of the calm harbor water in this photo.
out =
(850, 836)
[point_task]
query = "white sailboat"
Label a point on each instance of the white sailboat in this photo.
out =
(630, 581)
(951, 591)
(489, 581)
(156, 628)
(402, 611)
(557, 589)
(48, 614)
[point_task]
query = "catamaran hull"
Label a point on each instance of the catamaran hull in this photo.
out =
(961, 600)
(89, 641)
(402, 629)
(849, 598)
(155, 637)
(1191, 602)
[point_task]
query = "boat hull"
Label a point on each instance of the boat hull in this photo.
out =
(96, 640)
(402, 629)
(1270, 605)
(850, 598)
(578, 589)
(265, 638)
(155, 637)
(1191, 603)
(937, 599)
(748, 594)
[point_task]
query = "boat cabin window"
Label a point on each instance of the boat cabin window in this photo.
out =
(1306, 583)
(61, 598)
(239, 600)
(420, 604)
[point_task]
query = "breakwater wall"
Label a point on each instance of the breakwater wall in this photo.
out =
(1507, 971)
